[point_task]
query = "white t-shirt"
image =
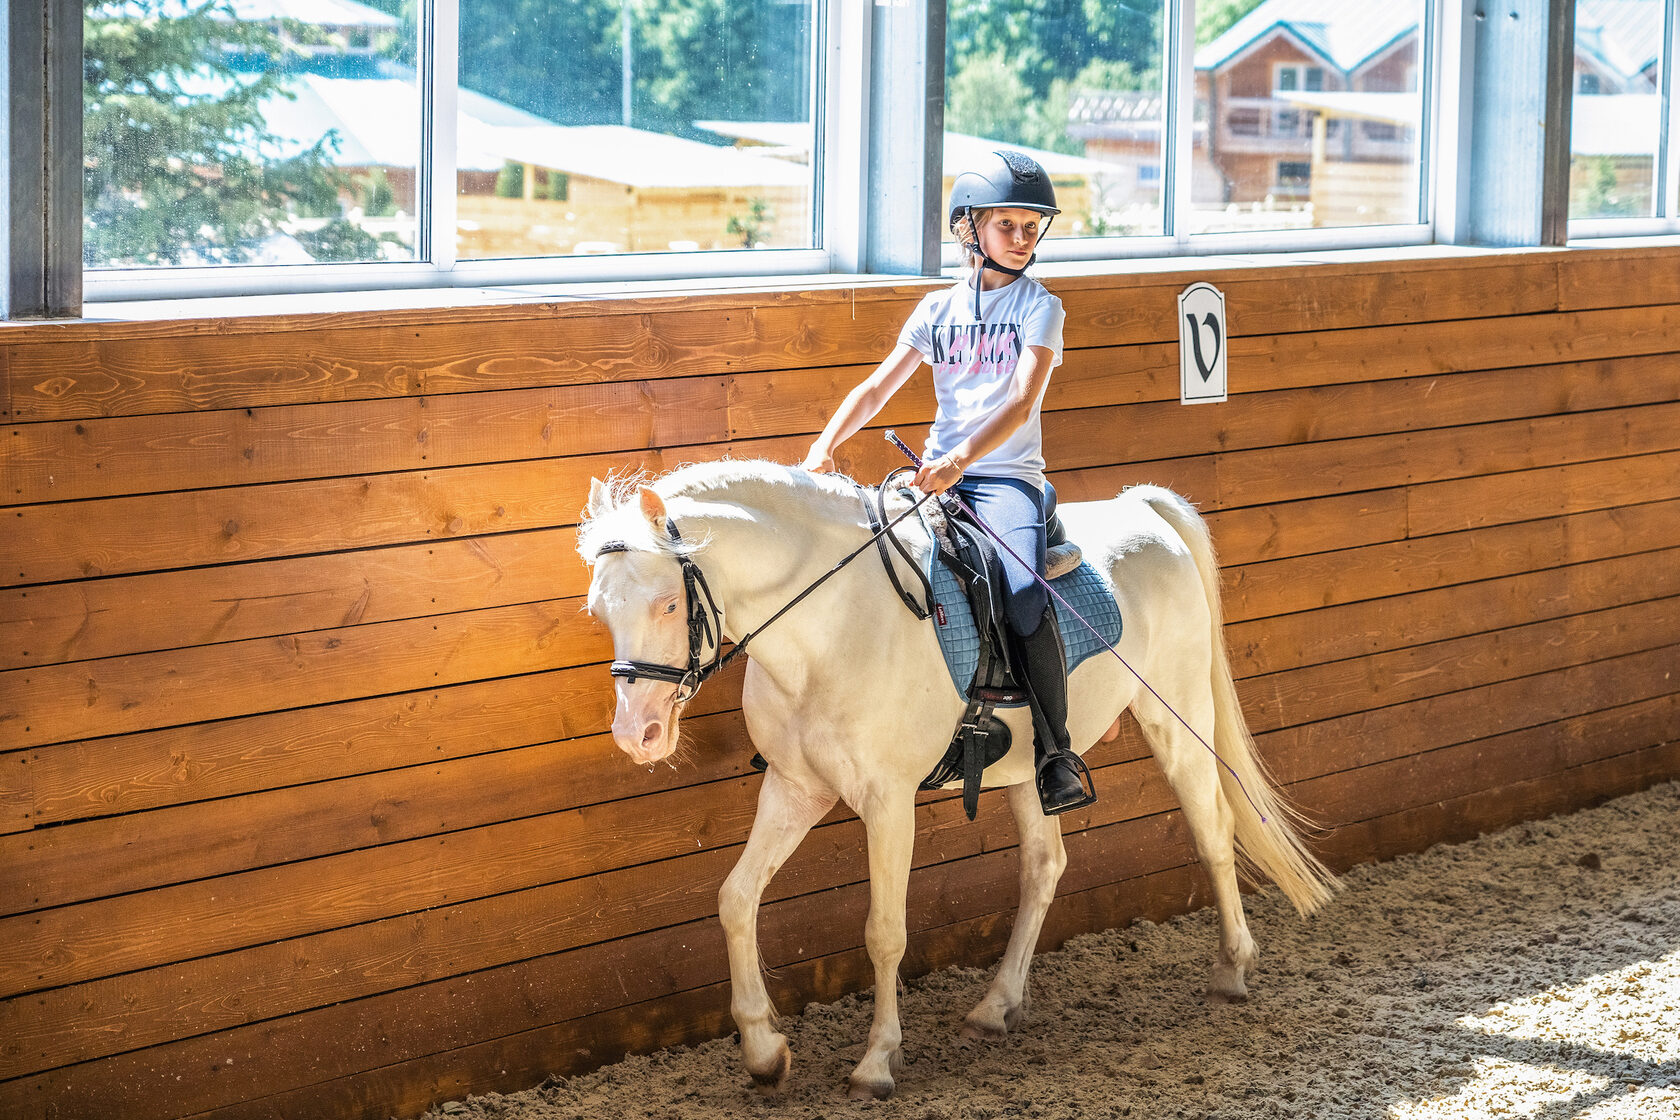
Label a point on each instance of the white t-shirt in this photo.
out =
(974, 366)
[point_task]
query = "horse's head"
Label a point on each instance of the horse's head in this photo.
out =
(637, 590)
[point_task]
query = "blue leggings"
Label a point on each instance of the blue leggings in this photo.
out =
(1017, 510)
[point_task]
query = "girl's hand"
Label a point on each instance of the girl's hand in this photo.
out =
(819, 461)
(937, 475)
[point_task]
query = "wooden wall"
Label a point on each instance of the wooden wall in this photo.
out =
(306, 802)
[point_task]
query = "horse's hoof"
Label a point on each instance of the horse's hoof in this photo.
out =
(1238, 995)
(769, 1081)
(982, 1026)
(870, 1090)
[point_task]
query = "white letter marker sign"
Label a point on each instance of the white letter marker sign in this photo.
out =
(1201, 344)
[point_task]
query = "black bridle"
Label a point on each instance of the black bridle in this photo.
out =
(705, 620)
(705, 628)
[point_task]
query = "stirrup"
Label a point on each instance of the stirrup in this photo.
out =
(1088, 786)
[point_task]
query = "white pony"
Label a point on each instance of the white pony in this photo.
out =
(847, 697)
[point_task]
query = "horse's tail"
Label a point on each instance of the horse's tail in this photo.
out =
(1268, 838)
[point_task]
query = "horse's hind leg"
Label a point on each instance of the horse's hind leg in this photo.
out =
(1043, 858)
(786, 813)
(1193, 773)
(890, 818)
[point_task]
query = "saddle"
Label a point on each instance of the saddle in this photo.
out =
(969, 554)
(965, 555)
(981, 738)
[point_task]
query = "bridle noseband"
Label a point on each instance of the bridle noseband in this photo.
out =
(705, 628)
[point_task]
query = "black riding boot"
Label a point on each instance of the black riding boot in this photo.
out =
(1064, 782)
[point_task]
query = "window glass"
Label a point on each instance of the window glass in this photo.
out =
(247, 132)
(1075, 84)
(1616, 127)
(628, 126)
(1312, 113)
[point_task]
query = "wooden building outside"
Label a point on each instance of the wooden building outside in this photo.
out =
(307, 802)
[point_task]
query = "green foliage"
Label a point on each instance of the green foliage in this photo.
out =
(1043, 41)
(510, 180)
(1115, 74)
(180, 165)
(558, 59)
(988, 97)
(339, 240)
(1597, 193)
(375, 195)
(1215, 17)
(690, 60)
(752, 229)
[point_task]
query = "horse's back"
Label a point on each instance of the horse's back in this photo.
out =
(1150, 565)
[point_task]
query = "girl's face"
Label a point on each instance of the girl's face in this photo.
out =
(1009, 235)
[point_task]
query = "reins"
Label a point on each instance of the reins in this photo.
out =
(705, 621)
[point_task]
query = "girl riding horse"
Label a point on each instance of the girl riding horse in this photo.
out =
(992, 339)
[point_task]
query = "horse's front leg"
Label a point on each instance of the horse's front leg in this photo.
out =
(1043, 858)
(786, 812)
(890, 819)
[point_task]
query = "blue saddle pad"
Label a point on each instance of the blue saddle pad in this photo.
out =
(1083, 588)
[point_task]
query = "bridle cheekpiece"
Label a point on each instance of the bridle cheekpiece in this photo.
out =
(705, 629)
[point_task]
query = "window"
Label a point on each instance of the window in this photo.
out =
(1293, 176)
(1293, 78)
(673, 127)
(1080, 87)
(1291, 85)
(251, 133)
(223, 135)
(1233, 124)
(246, 144)
(1622, 135)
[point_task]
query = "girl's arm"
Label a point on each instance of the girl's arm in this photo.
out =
(1032, 374)
(861, 405)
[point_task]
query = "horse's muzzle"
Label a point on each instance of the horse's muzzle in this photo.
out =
(644, 728)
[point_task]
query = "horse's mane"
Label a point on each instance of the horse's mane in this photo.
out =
(773, 484)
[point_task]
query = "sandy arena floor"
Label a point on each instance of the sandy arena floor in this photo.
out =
(1533, 973)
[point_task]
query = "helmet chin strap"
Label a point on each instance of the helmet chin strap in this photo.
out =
(987, 262)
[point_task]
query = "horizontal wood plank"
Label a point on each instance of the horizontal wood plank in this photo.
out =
(103, 857)
(55, 703)
(108, 457)
(59, 541)
(1349, 575)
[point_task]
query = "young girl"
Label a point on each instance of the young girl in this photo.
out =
(992, 340)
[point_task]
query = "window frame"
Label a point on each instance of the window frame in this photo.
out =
(849, 105)
(1178, 29)
(1665, 164)
(436, 264)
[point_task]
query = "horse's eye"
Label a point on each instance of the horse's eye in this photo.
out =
(670, 607)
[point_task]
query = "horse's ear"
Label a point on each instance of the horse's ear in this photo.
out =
(653, 507)
(600, 498)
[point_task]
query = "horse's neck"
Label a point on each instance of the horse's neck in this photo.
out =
(766, 540)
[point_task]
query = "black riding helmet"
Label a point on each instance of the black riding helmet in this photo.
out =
(1010, 180)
